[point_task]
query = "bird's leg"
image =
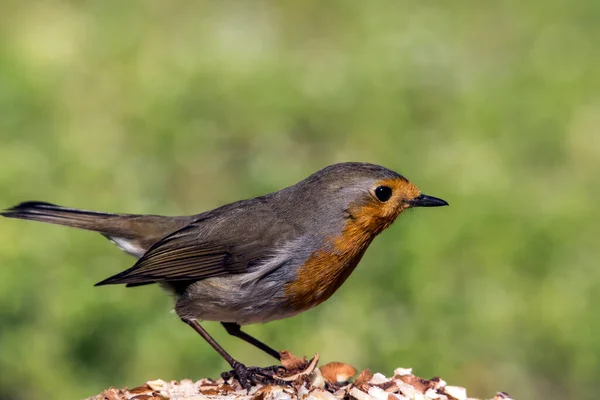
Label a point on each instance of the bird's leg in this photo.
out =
(246, 376)
(236, 330)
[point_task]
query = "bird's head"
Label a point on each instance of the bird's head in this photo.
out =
(372, 196)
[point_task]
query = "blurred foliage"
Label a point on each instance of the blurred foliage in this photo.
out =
(178, 107)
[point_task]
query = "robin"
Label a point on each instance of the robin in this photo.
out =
(254, 260)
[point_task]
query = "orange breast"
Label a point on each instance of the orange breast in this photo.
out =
(326, 270)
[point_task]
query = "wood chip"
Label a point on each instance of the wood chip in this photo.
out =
(337, 372)
(292, 363)
(363, 379)
(455, 392)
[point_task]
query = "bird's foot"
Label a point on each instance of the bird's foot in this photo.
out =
(249, 376)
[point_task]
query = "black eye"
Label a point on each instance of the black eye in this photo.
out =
(383, 193)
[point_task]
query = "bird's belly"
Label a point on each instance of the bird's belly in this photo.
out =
(234, 299)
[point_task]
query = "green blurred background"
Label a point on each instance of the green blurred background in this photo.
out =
(178, 107)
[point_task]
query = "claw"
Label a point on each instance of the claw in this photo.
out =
(249, 376)
(276, 369)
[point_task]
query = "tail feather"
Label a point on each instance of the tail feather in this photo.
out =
(132, 233)
(47, 212)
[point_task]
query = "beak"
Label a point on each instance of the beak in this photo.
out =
(423, 200)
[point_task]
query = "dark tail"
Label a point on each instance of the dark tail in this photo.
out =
(132, 233)
(83, 219)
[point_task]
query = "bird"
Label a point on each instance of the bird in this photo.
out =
(255, 260)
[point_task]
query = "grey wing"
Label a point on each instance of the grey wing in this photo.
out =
(195, 252)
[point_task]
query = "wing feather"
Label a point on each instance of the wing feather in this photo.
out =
(180, 256)
(221, 242)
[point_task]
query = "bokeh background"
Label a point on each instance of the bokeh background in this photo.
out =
(178, 107)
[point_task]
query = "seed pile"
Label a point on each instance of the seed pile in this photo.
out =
(306, 382)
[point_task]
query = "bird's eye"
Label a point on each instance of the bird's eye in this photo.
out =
(383, 193)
